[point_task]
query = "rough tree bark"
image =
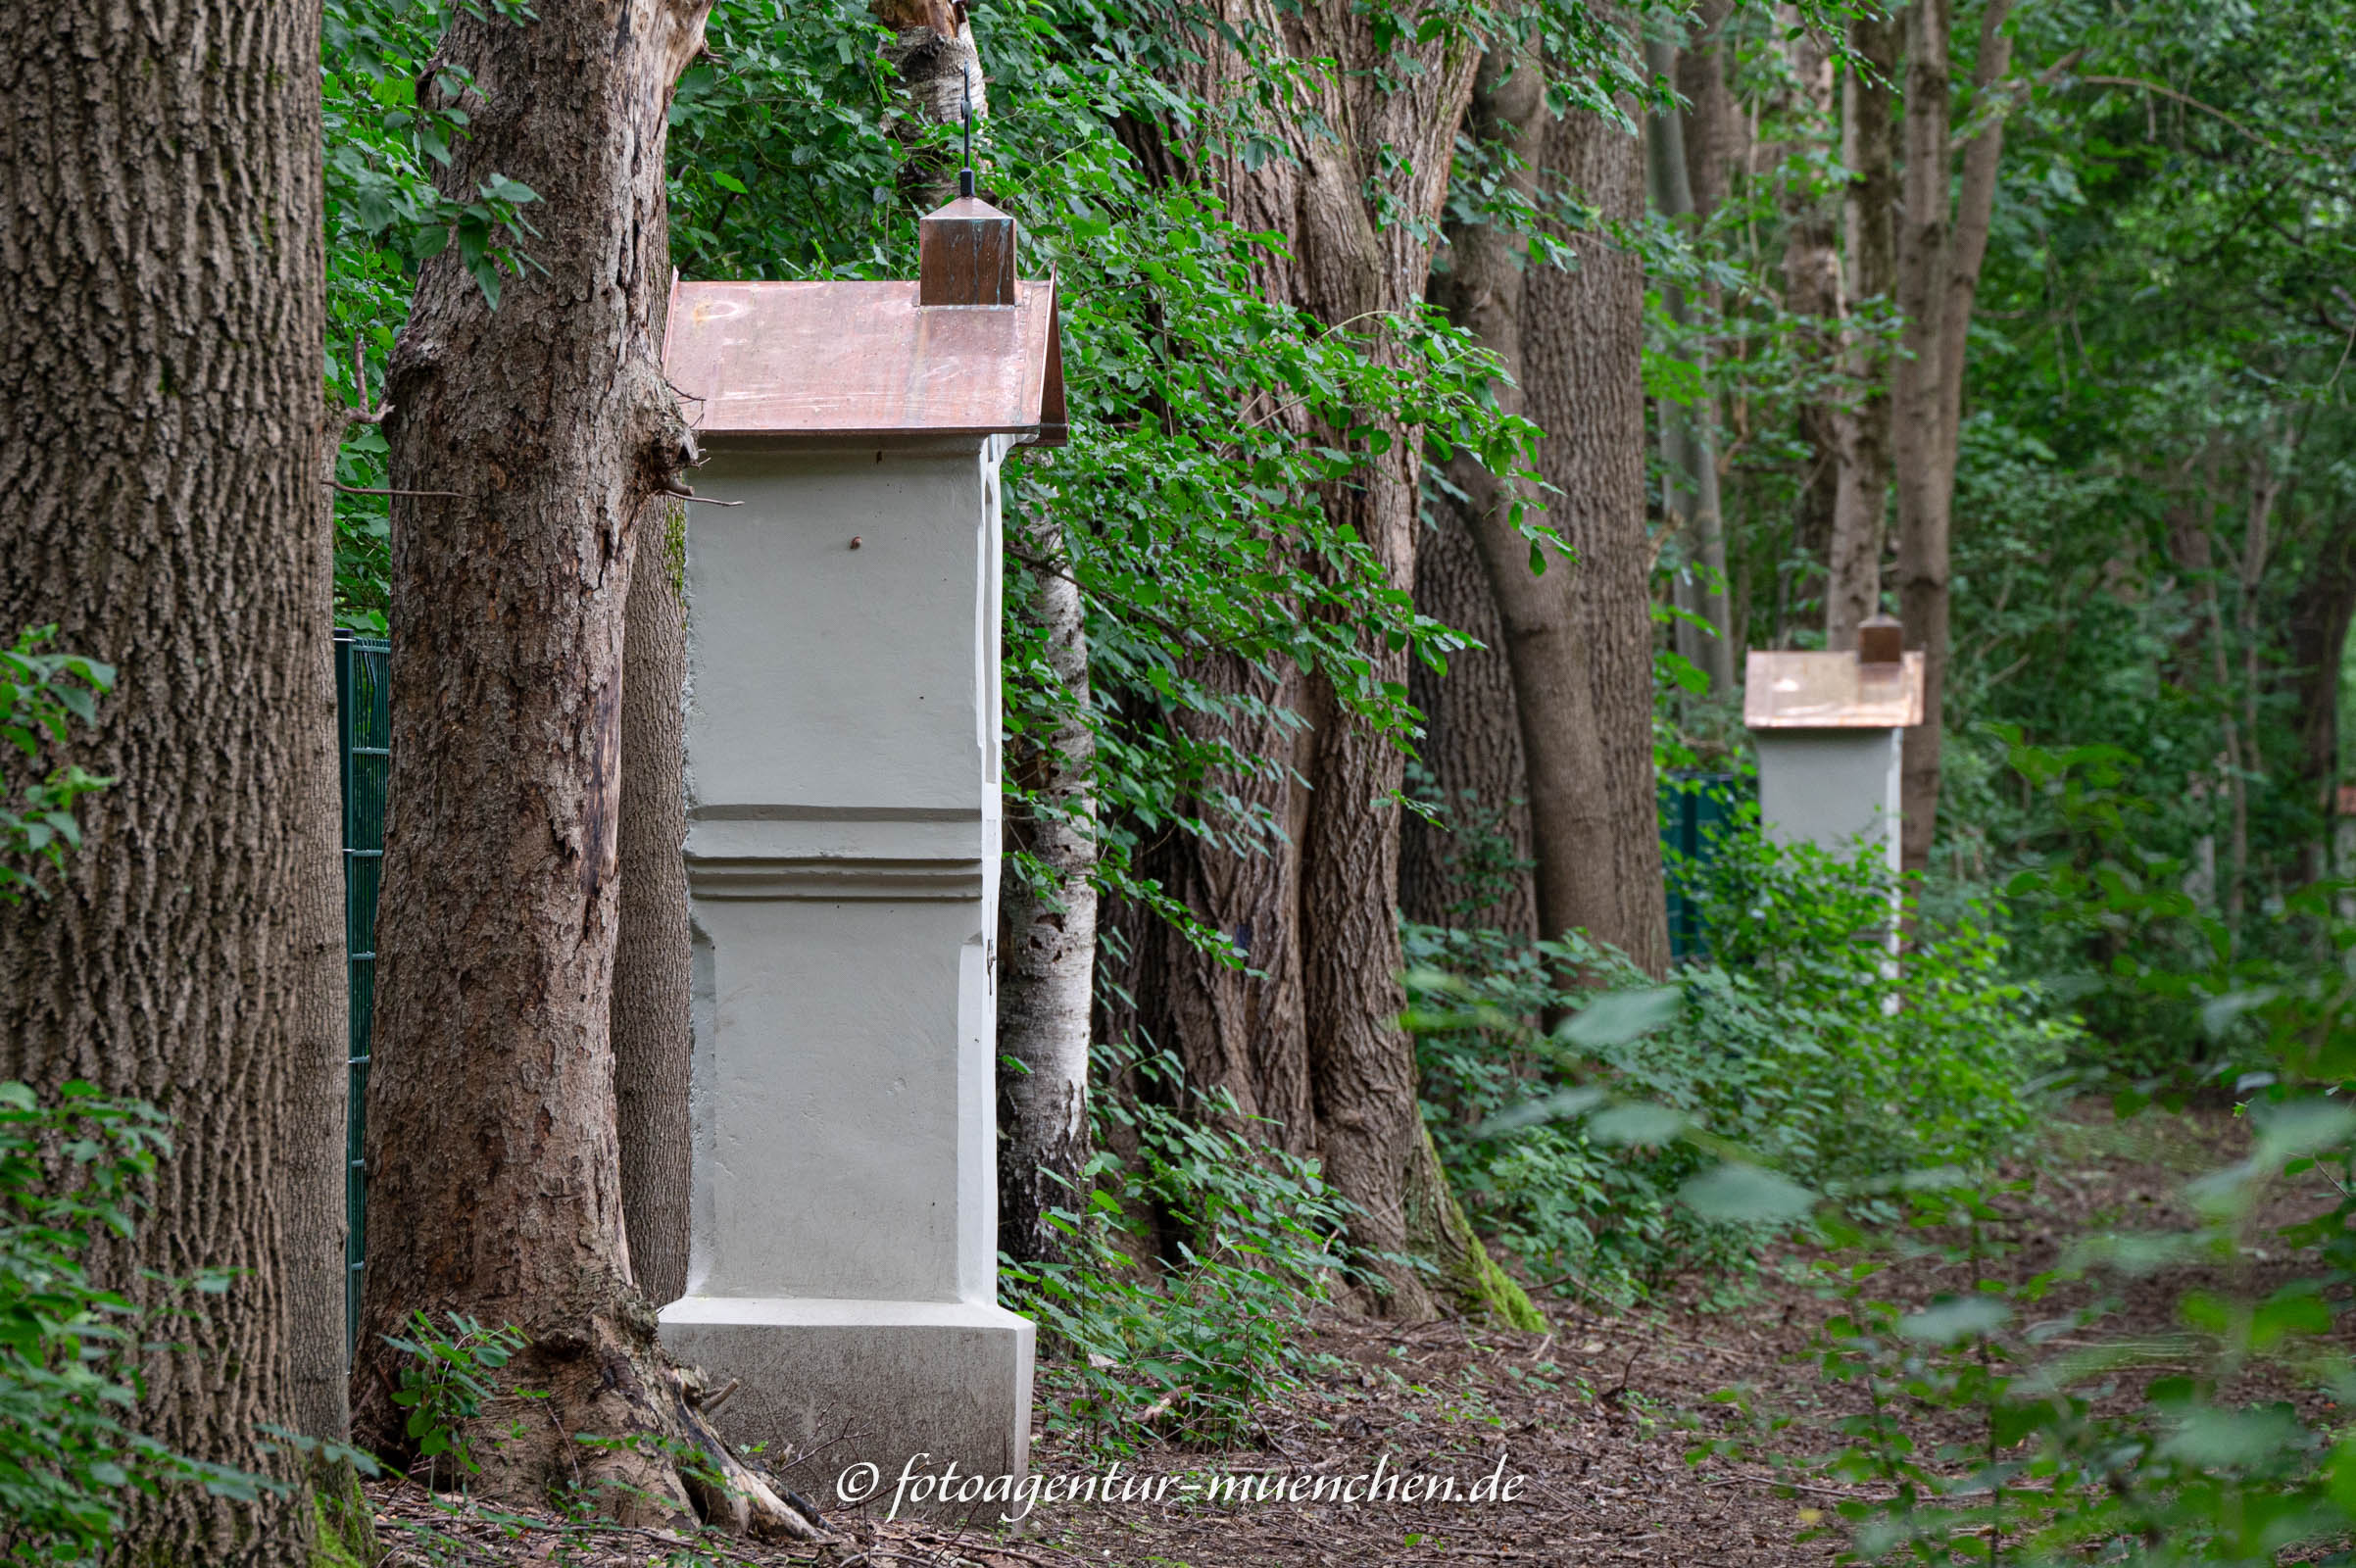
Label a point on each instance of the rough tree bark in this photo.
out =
(1689, 449)
(1716, 136)
(1582, 353)
(653, 960)
(526, 442)
(1320, 918)
(161, 332)
(1047, 964)
(1943, 239)
(1537, 614)
(1471, 870)
(1862, 495)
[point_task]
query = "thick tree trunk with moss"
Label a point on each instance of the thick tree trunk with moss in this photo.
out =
(161, 328)
(1319, 916)
(1582, 356)
(654, 958)
(525, 444)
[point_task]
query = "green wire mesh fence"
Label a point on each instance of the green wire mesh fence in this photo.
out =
(363, 721)
(1695, 810)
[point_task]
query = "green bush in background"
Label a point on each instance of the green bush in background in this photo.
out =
(1801, 1045)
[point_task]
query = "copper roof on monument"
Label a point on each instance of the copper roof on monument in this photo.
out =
(1791, 689)
(803, 362)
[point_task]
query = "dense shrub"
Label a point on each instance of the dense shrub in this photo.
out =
(1800, 1044)
(1183, 1339)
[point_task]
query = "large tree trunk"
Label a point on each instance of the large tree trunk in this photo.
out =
(1537, 614)
(654, 954)
(1471, 868)
(526, 442)
(1690, 496)
(1583, 354)
(161, 331)
(1328, 903)
(1046, 970)
(1941, 242)
(1861, 497)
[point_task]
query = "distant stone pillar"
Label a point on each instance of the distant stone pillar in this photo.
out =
(842, 857)
(1827, 728)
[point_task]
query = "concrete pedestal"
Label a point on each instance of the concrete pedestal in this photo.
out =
(842, 857)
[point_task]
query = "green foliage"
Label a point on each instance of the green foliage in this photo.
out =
(1642, 1133)
(2021, 1419)
(1196, 1263)
(70, 1175)
(41, 694)
(445, 1381)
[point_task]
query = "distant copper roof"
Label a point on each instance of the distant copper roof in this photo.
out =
(1792, 690)
(805, 361)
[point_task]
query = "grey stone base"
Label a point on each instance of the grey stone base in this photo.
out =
(864, 1383)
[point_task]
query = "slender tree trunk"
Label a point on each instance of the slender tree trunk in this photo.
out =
(2321, 609)
(1688, 435)
(161, 340)
(1861, 497)
(1716, 137)
(1047, 968)
(1477, 870)
(526, 442)
(320, 1059)
(654, 956)
(1583, 356)
(1813, 288)
(1941, 243)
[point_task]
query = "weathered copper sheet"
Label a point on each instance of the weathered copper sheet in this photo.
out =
(1797, 690)
(803, 361)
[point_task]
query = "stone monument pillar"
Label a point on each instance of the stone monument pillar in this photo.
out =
(1827, 729)
(843, 848)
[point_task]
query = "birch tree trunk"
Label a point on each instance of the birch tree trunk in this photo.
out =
(1047, 965)
(1582, 357)
(525, 444)
(654, 954)
(160, 341)
(1941, 243)
(1861, 495)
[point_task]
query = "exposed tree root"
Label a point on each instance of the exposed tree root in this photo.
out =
(593, 1413)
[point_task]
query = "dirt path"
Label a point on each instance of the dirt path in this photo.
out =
(1567, 1448)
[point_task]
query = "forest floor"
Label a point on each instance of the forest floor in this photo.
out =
(1582, 1434)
